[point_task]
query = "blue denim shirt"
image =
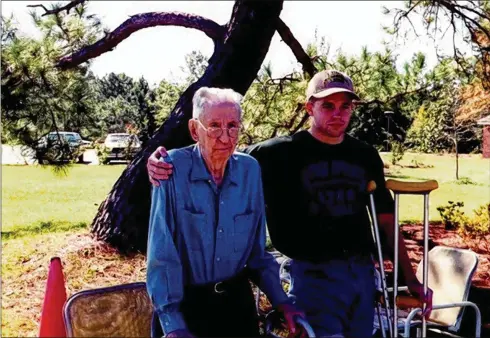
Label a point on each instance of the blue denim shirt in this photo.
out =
(200, 233)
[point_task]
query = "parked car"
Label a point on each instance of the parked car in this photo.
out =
(120, 146)
(63, 146)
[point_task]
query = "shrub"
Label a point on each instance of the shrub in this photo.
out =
(415, 163)
(102, 153)
(397, 152)
(479, 225)
(452, 215)
(475, 231)
(465, 181)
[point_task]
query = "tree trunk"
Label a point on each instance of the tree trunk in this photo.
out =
(457, 156)
(122, 219)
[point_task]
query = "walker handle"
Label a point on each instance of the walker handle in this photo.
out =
(305, 325)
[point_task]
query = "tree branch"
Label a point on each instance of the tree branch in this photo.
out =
(138, 22)
(481, 15)
(279, 81)
(66, 8)
(300, 124)
(298, 51)
(401, 14)
(395, 97)
(453, 8)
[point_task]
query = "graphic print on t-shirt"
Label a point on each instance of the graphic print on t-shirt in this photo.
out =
(332, 188)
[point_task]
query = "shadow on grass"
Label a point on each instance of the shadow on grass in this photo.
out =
(466, 181)
(43, 228)
(407, 177)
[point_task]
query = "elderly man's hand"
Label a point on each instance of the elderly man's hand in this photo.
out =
(290, 312)
(180, 334)
(158, 170)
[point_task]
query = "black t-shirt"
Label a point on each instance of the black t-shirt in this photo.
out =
(315, 195)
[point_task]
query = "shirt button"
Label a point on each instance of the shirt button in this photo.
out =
(222, 202)
(220, 230)
(218, 259)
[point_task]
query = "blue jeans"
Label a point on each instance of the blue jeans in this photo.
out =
(337, 297)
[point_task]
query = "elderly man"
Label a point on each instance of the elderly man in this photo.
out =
(314, 187)
(207, 231)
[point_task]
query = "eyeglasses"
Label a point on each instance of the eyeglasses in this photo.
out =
(216, 132)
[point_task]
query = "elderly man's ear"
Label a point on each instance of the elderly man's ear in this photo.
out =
(193, 129)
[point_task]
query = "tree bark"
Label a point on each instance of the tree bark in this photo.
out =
(455, 140)
(136, 23)
(122, 219)
(296, 48)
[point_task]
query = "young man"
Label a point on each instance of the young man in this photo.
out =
(314, 187)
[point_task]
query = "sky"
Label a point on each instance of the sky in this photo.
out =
(158, 52)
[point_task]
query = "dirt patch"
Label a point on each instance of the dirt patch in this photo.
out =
(87, 264)
(413, 234)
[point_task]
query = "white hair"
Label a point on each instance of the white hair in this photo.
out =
(207, 96)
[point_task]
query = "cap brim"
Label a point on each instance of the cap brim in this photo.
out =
(328, 92)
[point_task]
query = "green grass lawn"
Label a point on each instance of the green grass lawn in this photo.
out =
(472, 188)
(35, 199)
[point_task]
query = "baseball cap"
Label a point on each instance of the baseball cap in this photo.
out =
(329, 82)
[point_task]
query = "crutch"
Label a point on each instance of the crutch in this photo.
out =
(410, 188)
(371, 187)
(378, 306)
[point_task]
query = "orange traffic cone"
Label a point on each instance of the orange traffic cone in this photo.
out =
(52, 324)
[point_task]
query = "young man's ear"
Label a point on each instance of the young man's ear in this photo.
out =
(193, 129)
(309, 107)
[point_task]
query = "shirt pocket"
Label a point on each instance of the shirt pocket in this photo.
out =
(243, 228)
(194, 230)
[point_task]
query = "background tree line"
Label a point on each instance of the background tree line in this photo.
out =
(424, 109)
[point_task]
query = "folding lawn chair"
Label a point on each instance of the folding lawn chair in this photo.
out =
(449, 276)
(116, 311)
